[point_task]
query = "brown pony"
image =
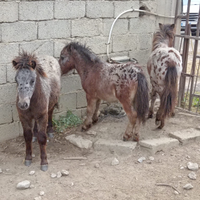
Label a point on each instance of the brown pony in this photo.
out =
(38, 87)
(110, 82)
(164, 68)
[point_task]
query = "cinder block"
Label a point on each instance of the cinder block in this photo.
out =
(19, 31)
(59, 45)
(97, 44)
(142, 25)
(8, 92)
(9, 131)
(81, 99)
(145, 41)
(6, 113)
(120, 27)
(15, 115)
(125, 42)
(54, 29)
(11, 72)
(8, 52)
(70, 84)
(99, 9)
(3, 74)
(69, 9)
(67, 102)
(39, 10)
(115, 146)
(8, 11)
(186, 136)
(121, 6)
(86, 27)
(39, 47)
(158, 144)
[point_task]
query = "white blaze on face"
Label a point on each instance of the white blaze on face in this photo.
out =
(25, 79)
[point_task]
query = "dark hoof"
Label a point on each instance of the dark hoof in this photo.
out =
(125, 139)
(173, 114)
(85, 128)
(28, 162)
(157, 122)
(136, 138)
(95, 121)
(44, 168)
(50, 135)
(160, 127)
(150, 116)
(34, 139)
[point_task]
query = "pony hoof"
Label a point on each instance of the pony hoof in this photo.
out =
(85, 128)
(34, 139)
(50, 135)
(44, 168)
(160, 127)
(28, 162)
(125, 139)
(150, 116)
(157, 122)
(173, 114)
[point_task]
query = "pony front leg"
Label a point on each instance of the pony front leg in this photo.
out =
(42, 140)
(91, 106)
(160, 120)
(28, 139)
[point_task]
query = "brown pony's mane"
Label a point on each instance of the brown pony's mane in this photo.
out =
(85, 52)
(26, 60)
(165, 33)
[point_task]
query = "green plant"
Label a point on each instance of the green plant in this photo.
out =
(68, 121)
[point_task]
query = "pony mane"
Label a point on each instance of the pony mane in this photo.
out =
(27, 60)
(87, 54)
(166, 32)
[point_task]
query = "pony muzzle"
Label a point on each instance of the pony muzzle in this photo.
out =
(24, 104)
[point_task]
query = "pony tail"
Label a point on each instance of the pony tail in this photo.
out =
(169, 94)
(142, 97)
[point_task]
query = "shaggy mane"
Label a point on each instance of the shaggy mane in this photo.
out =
(84, 51)
(26, 60)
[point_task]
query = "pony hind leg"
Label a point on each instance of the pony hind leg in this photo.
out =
(96, 112)
(160, 120)
(151, 109)
(91, 107)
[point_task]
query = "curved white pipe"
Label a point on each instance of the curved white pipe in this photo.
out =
(124, 12)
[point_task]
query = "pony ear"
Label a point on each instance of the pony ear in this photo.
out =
(172, 26)
(160, 26)
(33, 64)
(14, 63)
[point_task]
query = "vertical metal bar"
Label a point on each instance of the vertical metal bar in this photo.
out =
(194, 64)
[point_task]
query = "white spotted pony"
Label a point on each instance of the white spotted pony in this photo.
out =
(164, 68)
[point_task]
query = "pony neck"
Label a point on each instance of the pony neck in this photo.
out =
(160, 42)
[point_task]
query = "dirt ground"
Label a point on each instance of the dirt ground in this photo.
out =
(95, 178)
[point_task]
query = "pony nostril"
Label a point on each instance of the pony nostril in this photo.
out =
(23, 106)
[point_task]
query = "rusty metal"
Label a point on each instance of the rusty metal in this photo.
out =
(193, 75)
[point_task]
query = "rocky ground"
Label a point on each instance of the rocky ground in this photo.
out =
(106, 173)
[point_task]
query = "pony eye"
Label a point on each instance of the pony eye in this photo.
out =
(62, 57)
(32, 81)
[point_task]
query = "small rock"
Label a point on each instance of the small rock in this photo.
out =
(53, 175)
(192, 176)
(31, 172)
(32, 186)
(23, 185)
(151, 158)
(38, 198)
(90, 132)
(175, 192)
(82, 164)
(7, 170)
(141, 159)
(192, 166)
(59, 174)
(188, 186)
(79, 141)
(115, 162)
(181, 167)
(41, 193)
(65, 172)
(96, 165)
(1, 171)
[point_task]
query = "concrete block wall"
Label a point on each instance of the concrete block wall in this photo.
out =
(45, 27)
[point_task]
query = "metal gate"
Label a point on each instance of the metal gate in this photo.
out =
(189, 85)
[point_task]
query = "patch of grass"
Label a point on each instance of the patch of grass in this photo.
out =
(68, 121)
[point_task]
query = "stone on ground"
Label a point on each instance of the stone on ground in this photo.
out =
(79, 141)
(186, 136)
(23, 185)
(116, 146)
(192, 166)
(158, 144)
